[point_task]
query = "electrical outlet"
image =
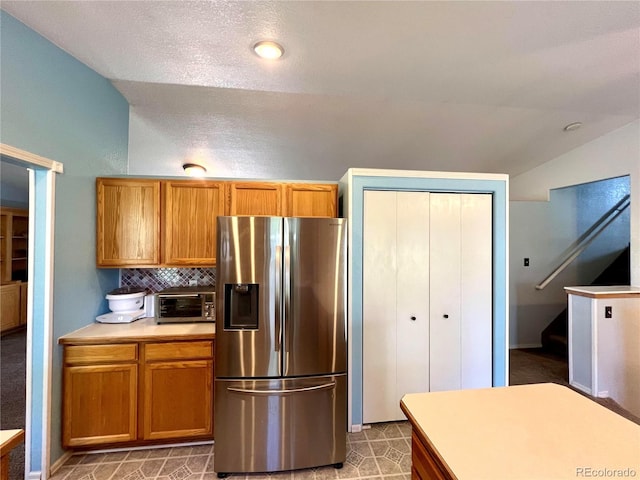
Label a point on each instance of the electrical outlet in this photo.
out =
(607, 312)
(193, 282)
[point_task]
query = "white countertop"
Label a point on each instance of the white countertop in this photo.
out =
(543, 431)
(604, 291)
(139, 330)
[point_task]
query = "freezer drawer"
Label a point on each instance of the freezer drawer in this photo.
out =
(283, 424)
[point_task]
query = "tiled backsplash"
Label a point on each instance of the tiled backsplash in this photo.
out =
(156, 279)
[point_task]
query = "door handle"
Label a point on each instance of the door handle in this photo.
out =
(284, 391)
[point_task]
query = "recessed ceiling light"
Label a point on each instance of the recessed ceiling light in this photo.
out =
(269, 50)
(572, 126)
(194, 170)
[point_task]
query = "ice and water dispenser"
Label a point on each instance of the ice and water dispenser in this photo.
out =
(241, 306)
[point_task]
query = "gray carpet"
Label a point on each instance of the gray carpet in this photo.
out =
(12, 393)
(534, 365)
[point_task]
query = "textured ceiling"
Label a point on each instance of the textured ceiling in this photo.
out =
(459, 86)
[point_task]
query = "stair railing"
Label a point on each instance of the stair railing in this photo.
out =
(587, 237)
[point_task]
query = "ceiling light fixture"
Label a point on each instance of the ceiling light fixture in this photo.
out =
(268, 50)
(572, 126)
(194, 170)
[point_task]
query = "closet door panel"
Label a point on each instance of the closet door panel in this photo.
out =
(444, 331)
(476, 285)
(412, 320)
(379, 307)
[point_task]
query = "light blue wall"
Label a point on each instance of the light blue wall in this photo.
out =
(54, 106)
(499, 191)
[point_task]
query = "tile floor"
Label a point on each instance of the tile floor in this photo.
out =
(383, 451)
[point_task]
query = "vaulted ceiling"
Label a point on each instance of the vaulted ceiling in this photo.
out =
(455, 86)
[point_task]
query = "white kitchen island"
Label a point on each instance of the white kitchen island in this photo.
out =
(604, 342)
(536, 432)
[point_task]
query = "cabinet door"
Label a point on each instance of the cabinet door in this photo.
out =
(99, 404)
(190, 213)
(23, 302)
(10, 302)
(5, 249)
(256, 198)
(311, 200)
(128, 222)
(178, 399)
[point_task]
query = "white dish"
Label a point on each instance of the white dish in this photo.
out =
(120, 317)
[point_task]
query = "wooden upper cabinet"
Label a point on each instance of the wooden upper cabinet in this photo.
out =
(128, 222)
(311, 200)
(152, 223)
(255, 198)
(189, 221)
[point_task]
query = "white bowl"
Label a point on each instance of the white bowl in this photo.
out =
(128, 302)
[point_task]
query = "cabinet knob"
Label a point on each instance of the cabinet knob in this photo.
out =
(446, 316)
(413, 318)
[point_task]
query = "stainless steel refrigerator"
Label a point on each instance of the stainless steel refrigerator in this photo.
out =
(281, 355)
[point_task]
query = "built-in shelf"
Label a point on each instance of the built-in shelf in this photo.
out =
(14, 224)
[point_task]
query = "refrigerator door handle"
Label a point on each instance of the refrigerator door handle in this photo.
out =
(278, 300)
(286, 391)
(286, 284)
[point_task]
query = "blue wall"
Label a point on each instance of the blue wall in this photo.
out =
(54, 106)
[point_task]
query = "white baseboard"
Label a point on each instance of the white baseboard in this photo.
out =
(525, 345)
(34, 475)
(356, 428)
(61, 461)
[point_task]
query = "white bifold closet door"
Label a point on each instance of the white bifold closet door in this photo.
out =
(427, 296)
(395, 301)
(460, 306)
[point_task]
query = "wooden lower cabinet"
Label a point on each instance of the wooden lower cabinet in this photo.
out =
(100, 404)
(178, 390)
(424, 465)
(10, 305)
(137, 393)
(100, 394)
(13, 305)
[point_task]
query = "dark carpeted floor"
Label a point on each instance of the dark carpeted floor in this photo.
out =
(534, 365)
(13, 349)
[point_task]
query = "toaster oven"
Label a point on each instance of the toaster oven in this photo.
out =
(185, 305)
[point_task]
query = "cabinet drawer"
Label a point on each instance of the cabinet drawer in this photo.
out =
(75, 354)
(178, 350)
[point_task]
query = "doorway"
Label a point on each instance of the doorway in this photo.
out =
(14, 203)
(39, 309)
